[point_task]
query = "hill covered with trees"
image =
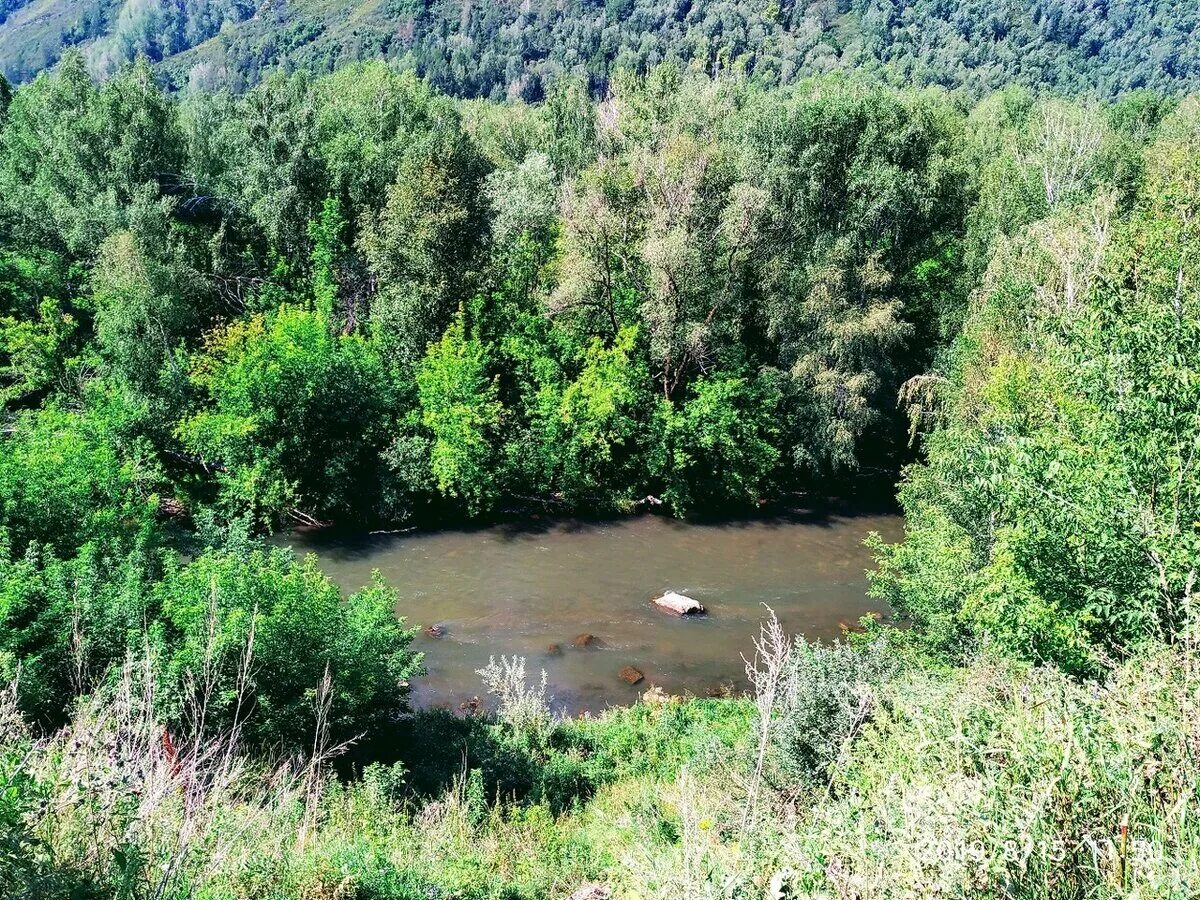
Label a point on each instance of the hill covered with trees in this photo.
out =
(518, 49)
(353, 298)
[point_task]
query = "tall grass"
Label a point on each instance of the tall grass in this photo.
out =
(994, 780)
(997, 781)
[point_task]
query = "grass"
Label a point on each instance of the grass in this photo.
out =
(993, 780)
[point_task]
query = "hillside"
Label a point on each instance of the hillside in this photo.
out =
(514, 49)
(353, 300)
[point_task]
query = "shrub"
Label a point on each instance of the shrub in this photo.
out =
(828, 694)
(1001, 780)
(253, 632)
(719, 449)
(293, 414)
(68, 477)
(461, 412)
(65, 622)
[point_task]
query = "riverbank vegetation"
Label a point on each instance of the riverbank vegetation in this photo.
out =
(353, 299)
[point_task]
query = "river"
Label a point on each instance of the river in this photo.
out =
(531, 589)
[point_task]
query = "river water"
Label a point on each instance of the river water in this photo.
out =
(531, 589)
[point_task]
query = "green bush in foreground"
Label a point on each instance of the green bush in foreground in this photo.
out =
(64, 623)
(243, 635)
(252, 634)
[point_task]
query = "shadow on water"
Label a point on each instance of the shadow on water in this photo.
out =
(351, 541)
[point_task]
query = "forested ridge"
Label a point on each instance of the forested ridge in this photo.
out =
(518, 50)
(353, 298)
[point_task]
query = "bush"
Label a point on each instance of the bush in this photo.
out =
(69, 477)
(828, 695)
(1002, 780)
(252, 633)
(65, 622)
(719, 450)
(293, 415)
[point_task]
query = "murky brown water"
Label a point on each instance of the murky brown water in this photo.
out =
(520, 589)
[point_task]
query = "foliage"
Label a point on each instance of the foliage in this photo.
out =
(261, 278)
(599, 426)
(1020, 778)
(65, 622)
(251, 634)
(527, 51)
(1055, 516)
(74, 155)
(349, 298)
(717, 451)
(295, 413)
(459, 407)
(71, 477)
(38, 351)
(422, 245)
(828, 695)
(866, 200)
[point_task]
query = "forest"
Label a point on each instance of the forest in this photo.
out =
(355, 299)
(518, 50)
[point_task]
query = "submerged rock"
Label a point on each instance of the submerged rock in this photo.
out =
(630, 675)
(435, 631)
(554, 649)
(678, 604)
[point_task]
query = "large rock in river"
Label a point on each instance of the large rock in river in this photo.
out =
(678, 604)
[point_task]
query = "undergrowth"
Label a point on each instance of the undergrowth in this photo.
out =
(991, 780)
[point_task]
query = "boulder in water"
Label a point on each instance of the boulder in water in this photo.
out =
(584, 640)
(630, 675)
(678, 604)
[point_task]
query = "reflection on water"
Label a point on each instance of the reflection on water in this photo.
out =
(531, 590)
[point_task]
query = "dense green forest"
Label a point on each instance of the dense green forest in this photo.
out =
(520, 49)
(352, 298)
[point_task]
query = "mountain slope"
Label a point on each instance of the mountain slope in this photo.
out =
(34, 32)
(509, 48)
